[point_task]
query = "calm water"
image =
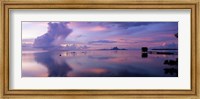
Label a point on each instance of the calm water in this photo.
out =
(109, 63)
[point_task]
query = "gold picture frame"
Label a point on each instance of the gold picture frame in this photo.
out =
(193, 5)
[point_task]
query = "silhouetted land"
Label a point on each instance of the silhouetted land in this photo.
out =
(166, 53)
(171, 62)
(158, 51)
(163, 49)
(144, 49)
(115, 48)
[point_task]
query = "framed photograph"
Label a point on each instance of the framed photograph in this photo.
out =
(100, 49)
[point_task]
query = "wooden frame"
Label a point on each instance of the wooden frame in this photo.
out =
(101, 4)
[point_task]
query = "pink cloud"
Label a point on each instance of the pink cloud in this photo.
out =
(96, 70)
(72, 24)
(97, 28)
(94, 28)
(44, 24)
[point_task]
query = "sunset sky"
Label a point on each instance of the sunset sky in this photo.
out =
(100, 35)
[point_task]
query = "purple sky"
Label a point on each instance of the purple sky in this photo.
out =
(100, 35)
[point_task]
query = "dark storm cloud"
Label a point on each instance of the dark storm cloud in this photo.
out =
(117, 24)
(152, 30)
(133, 28)
(131, 24)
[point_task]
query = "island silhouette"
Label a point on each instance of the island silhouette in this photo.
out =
(115, 48)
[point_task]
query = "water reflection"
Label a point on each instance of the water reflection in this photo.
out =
(123, 63)
(171, 70)
(56, 67)
(144, 55)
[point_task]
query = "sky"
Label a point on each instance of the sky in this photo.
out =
(101, 35)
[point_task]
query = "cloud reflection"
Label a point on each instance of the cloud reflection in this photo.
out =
(55, 68)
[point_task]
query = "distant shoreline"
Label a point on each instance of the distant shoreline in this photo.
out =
(163, 49)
